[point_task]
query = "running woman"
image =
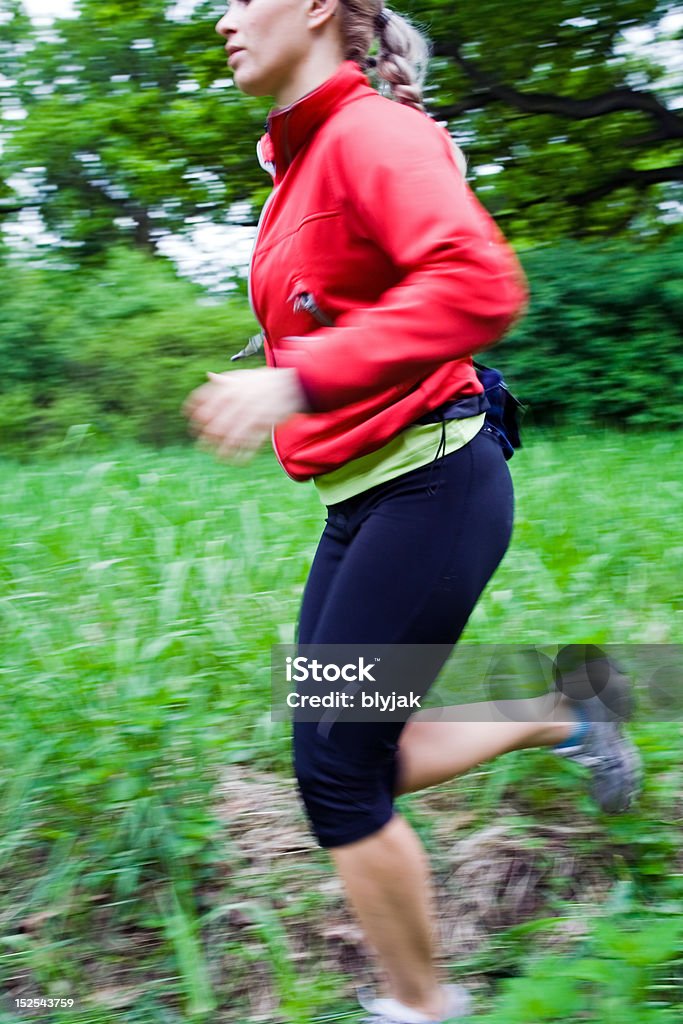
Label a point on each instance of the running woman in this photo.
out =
(376, 275)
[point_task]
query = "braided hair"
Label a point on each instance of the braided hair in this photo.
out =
(402, 56)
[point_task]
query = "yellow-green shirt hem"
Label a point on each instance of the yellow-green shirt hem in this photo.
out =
(414, 447)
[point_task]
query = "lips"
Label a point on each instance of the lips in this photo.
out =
(233, 52)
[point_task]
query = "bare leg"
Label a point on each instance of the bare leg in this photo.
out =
(386, 875)
(387, 881)
(433, 751)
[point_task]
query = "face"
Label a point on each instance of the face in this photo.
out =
(267, 41)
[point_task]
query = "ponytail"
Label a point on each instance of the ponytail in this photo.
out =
(403, 53)
(403, 57)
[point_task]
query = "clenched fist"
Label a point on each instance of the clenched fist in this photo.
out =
(235, 412)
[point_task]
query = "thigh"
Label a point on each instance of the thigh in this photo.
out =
(326, 563)
(422, 549)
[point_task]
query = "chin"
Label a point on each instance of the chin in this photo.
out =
(250, 85)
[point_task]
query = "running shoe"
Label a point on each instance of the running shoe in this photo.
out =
(601, 695)
(390, 1011)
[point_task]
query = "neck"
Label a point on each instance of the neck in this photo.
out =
(308, 75)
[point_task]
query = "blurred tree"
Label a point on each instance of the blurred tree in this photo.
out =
(114, 349)
(575, 101)
(132, 126)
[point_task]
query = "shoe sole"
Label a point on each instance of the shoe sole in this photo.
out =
(589, 678)
(460, 1005)
(633, 769)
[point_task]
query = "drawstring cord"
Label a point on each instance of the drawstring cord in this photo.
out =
(440, 452)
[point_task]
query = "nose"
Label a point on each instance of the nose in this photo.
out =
(226, 24)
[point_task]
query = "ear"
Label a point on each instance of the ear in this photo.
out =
(320, 11)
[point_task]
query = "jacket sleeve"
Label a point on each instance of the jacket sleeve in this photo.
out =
(459, 286)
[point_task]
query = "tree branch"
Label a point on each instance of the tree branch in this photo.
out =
(619, 99)
(628, 177)
(8, 208)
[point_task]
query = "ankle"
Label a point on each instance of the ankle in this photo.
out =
(565, 720)
(433, 1003)
(550, 734)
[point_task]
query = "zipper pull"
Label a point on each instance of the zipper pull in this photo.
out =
(254, 345)
(305, 301)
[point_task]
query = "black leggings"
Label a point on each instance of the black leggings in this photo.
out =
(404, 562)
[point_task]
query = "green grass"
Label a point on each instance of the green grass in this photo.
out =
(141, 593)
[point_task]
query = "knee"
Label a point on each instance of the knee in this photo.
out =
(320, 781)
(344, 801)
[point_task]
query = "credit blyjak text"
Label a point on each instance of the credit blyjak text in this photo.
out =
(353, 674)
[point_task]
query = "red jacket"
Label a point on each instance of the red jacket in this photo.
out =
(372, 229)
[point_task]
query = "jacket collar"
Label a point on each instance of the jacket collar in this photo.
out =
(290, 128)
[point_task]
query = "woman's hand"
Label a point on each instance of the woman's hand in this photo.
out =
(235, 412)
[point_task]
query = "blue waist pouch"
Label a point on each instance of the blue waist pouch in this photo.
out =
(503, 411)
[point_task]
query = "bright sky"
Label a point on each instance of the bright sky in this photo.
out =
(49, 8)
(64, 8)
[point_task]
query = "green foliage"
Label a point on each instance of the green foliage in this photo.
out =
(602, 339)
(131, 125)
(551, 95)
(138, 609)
(134, 126)
(109, 353)
(616, 977)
